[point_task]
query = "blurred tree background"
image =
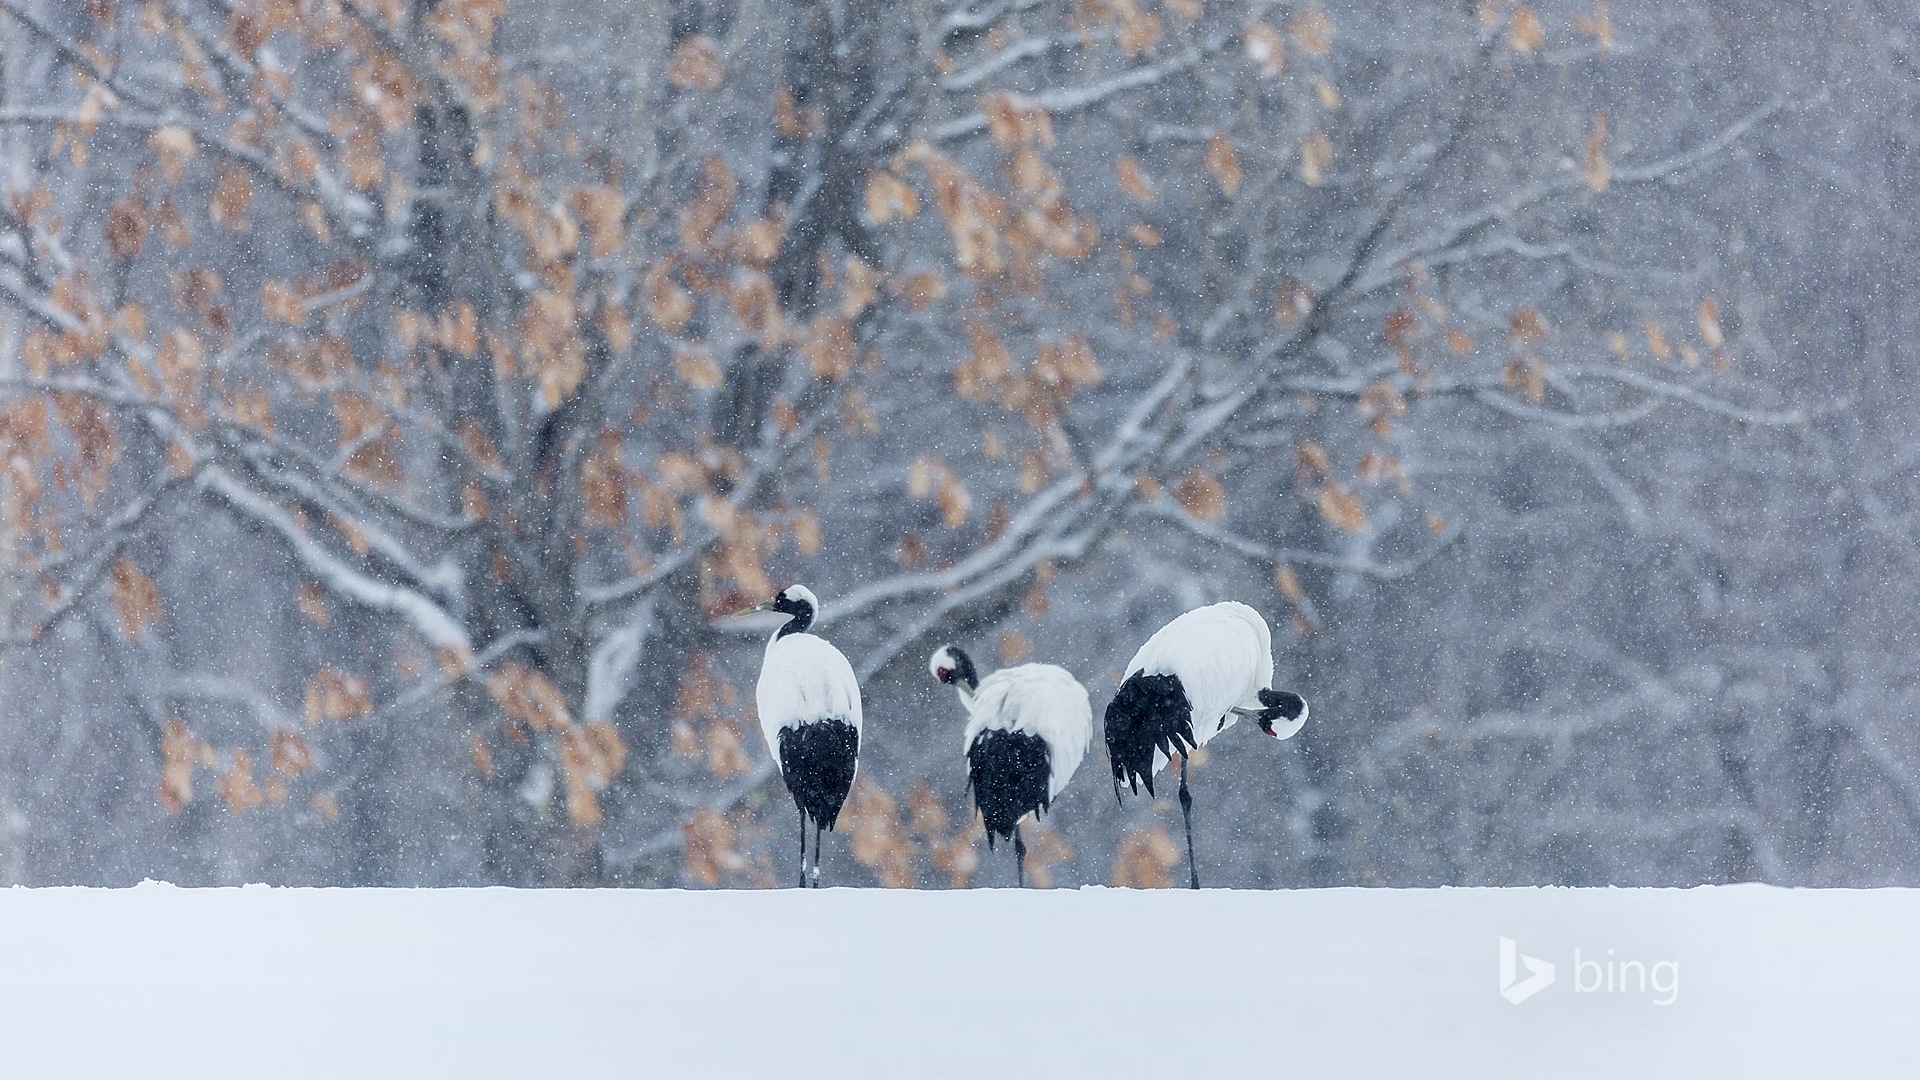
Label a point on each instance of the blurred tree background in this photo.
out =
(393, 394)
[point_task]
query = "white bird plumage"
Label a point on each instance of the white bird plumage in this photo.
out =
(803, 678)
(1223, 656)
(1041, 700)
(1191, 680)
(1049, 717)
(809, 703)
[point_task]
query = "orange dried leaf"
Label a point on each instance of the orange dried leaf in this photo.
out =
(313, 604)
(1132, 180)
(1267, 49)
(1657, 340)
(710, 854)
(1597, 26)
(696, 65)
(1709, 320)
(1313, 32)
(1527, 327)
(1146, 860)
(174, 147)
(890, 198)
(126, 228)
(1593, 163)
(829, 349)
(1013, 647)
(697, 369)
(1223, 164)
(725, 750)
(919, 289)
(1288, 583)
(180, 751)
(1201, 495)
(288, 752)
(1316, 157)
(1340, 506)
(530, 697)
(232, 194)
(880, 840)
(136, 600)
(1313, 458)
(236, 785)
(482, 757)
(336, 695)
(1524, 34)
(806, 532)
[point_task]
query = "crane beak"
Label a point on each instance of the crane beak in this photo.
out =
(764, 605)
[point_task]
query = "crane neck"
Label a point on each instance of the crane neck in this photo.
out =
(798, 624)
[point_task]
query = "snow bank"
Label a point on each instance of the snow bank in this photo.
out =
(257, 982)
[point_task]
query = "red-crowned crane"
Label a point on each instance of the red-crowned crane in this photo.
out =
(810, 713)
(1188, 683)
(1027, 729)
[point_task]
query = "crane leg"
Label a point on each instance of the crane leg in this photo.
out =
(1186, 814)
(1019, 857)
(803, 849)
(816, 853)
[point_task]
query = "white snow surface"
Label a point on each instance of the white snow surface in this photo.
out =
(157, 981)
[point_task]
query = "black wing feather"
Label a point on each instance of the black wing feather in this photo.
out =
(1151, 712)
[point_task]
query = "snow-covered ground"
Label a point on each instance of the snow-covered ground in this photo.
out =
(257, 982)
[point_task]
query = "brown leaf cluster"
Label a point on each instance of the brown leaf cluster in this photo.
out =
(706, 694)
(1593, 162)
(1267, 49)
(1526, 376)
(591, 755)
(889, 198)
(881, 841)
(1046, 849)
(180, 751)
(696, 64)
(1222, 163)
(1316, 157)
(551, 349)
(528, 696)
(929, 477)
(1199, 493)
(95, 449)
(336, 695)
(829, 347)
(1312, 31)
(989, 373)
(136, 599)
(1341, 507)
(288, 752)
(710, 853)
(1133, 181)
(1524, 32)
(735, 573)
(1146, 860)
(604, 479)
(237, 785)
(953, 851)
(975, 217)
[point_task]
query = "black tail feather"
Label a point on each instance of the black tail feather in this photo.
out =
(1009, 772)
(1150, 714)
